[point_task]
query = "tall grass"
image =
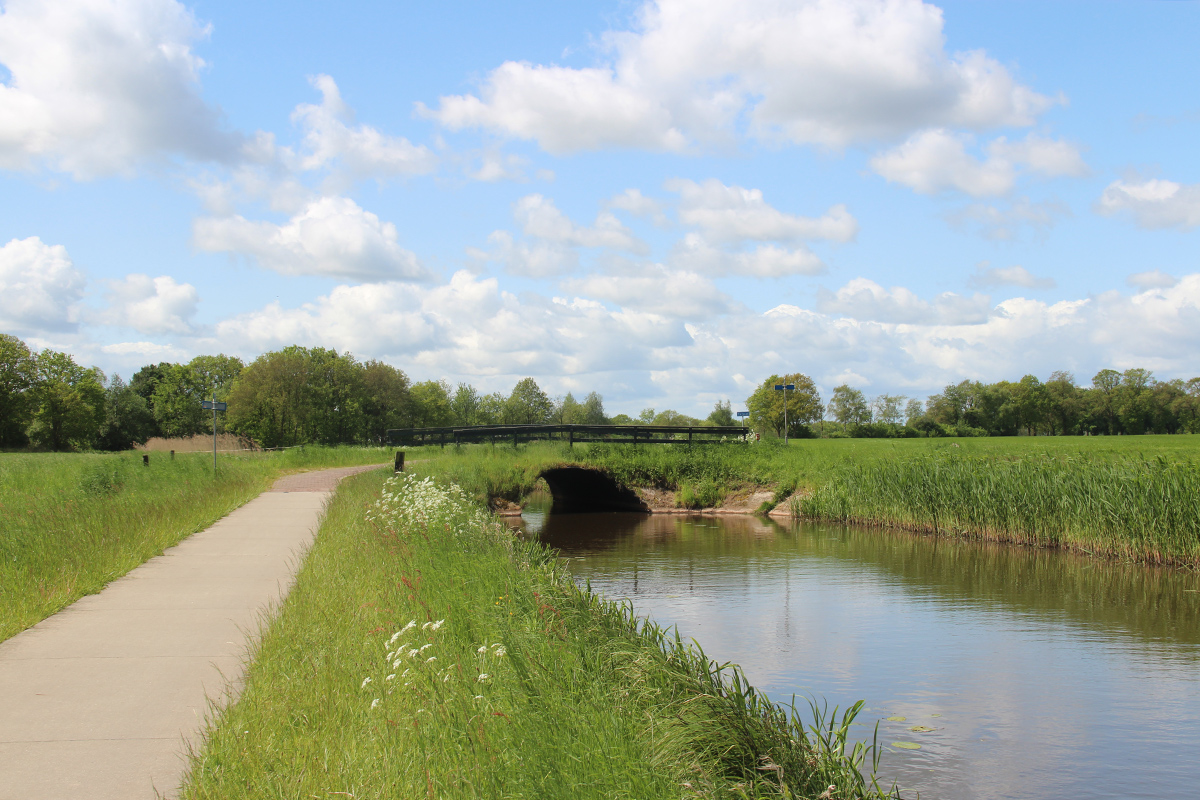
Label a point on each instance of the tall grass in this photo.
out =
(1146, 509)
(70, 523)
(425, 652)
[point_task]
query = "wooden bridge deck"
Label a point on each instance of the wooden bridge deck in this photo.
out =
(617, 434)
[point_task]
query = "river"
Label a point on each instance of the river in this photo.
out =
(1020, 673)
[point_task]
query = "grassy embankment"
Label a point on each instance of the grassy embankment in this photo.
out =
(1124, 497)
(425, 652)
(70, 523)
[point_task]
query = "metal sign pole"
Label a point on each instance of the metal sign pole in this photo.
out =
(214, 402)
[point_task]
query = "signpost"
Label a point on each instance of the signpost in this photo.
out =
(743, 414)
(779, 387)
(215, 406)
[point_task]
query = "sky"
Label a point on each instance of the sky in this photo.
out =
(665, 202)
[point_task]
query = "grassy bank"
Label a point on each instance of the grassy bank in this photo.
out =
(426, 653)
(1134, 497)
(73, 522)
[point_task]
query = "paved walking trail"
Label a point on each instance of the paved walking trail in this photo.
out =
(98, 701)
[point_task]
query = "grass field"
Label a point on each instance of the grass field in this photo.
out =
(1135, 497)
(70, 523)
(425, 652)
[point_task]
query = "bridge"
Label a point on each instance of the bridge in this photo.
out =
(616, 434)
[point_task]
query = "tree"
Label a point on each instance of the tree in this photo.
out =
(646, 417)
(913, 411)
(849, 407)
(527, 405)
(1033, 404)
(68, 402)
(216, 374)
(491, 409)
(593, 410)
(268, 400)
(766, 405)
(465, 404)
(1066, 404)
(385, 400)
(176, 402)
(886, 408)
(431, 405)
(18, 370)
(127, 418)
(722, 414)
(569, 411)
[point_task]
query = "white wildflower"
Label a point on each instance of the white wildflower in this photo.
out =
(366, 680)
(482, 650)
(500, 651)
(483, 677)
(431, 658)
(425, 647)
(414, 653)
(478, 697)
(434, 626)
(391, 677)
(375, 703)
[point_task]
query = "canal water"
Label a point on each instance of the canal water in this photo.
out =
(1019, 673)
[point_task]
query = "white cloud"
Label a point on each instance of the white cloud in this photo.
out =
(151, 305)
(470, 329)
(1154, 203)
(636, 203)
(815, 71)
(98, 86)
(656, 290)
(330, 236)
(694, 253)
(735, 214)
(362, 150)
(987, 277)
(40, 288)
(1153, 279)
(937, 160)
(495, 166)
(865, 300)
(540, 218)
(1004, 221)
(536, 259)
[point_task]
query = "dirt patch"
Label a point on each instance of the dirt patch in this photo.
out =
(198, 443)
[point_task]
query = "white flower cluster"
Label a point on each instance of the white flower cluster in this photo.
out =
(407, 499)
(412, 653)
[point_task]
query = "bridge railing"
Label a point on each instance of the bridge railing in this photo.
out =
(617, 434)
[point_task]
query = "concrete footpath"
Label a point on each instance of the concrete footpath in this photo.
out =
(101, 700)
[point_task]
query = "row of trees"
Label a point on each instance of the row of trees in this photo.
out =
(1129, 402)
(287, 397)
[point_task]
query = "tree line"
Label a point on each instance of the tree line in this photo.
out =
(1132, 402)
(297, 395)
(301, 395)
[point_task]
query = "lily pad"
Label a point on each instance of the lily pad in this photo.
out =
(897, 719)
(907, 745)
(920, 729)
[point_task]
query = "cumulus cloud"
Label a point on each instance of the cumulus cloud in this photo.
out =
(40, 288)
(694, 253)
(331, 236)
(1153, 279)
(1004, 221)
(363, 151)
(987, 276)
(471, 329)
(540, 218)
(533, 259)
(814, 71)
(1154, 203)
(865, 300)
(636, 203)
(151, 305)
(658, 291)
(735, 214)
(937, 160)
(98, 86)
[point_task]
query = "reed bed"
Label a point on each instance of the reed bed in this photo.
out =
(70, 523)
(1147, 509)
(426, 652)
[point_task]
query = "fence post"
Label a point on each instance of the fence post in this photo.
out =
(172, 455)
(145, 459)
(399, 461)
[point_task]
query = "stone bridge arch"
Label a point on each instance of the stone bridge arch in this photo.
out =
(581, 490)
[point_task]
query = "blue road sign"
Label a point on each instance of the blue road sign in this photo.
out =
(743, 413)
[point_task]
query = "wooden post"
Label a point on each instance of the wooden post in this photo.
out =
(145, 459)
(571, 439)
(172, 455)
(399, 461)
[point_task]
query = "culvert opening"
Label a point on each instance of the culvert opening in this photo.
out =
(579, 490)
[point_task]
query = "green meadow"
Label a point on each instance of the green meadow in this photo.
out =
(73, 522)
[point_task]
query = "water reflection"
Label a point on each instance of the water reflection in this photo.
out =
(1040, 674)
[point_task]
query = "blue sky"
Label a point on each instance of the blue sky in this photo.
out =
(663, 202)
